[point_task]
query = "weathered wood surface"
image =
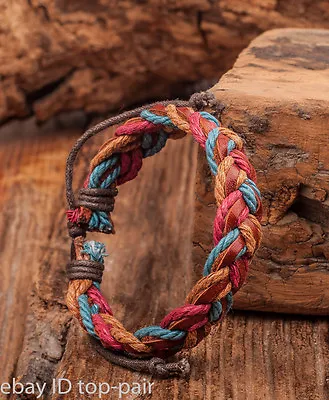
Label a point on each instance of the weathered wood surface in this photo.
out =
(276, 98)
(148, 272)
(31, 184)
(103, 55)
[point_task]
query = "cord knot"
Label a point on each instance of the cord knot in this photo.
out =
(158, 367)
(96, 199)
(76, 230)
(200, 101)
(85, 269)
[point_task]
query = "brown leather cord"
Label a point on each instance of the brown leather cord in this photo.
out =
(84, 275)
(94, 265)
(97, 199)
(111, 191)
(85, 269)
(96, 203)
(76, 230)
(157, 367)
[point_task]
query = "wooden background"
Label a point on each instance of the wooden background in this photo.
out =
(251, 356)
(102, 55)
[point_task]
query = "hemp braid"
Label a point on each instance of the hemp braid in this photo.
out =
(237, 231)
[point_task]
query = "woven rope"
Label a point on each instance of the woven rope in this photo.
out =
(237, 230)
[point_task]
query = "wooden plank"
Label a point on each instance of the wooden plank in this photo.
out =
(250, 357)
(31, 184)
(276, 98)
(148, 272)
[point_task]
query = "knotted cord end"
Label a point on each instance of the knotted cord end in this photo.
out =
(202, 100)
(159, 368)
(155, 366)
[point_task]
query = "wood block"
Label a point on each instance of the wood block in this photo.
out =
(276, 98)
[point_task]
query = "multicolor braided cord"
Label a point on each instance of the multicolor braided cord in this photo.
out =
(236, 234)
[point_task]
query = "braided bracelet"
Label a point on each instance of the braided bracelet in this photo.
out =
(237, 231)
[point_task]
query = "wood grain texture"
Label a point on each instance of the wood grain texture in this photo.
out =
(103, 55)
(276, 98)
(31, 174)
(149, 271)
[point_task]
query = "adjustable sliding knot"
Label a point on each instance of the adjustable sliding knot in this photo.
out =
(236, 233)
(88, 262)
(85, 269)
(93, 206)
(97, 199)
